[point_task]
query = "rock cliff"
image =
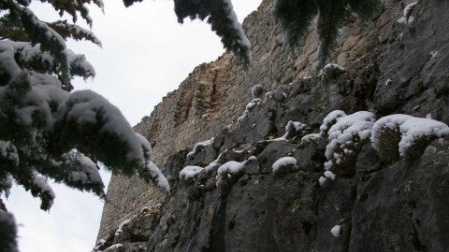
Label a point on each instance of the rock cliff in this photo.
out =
(375, 203)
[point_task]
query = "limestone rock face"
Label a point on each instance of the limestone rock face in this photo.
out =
(386, 67)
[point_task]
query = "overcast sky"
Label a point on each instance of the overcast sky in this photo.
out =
(145, 55)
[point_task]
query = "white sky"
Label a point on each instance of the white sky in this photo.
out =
(145, 55)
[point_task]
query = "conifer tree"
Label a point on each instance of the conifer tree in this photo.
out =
(48, 132)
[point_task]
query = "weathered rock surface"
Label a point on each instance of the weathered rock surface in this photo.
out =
(398, 206)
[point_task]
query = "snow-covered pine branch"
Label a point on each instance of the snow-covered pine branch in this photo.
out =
(220, 14)
(47, 132)
(73, 31)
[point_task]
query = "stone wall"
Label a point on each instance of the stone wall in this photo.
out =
(214, 95)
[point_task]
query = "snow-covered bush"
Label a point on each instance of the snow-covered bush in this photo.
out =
(346, 137)
(257, 91)
(330, 120)
(190, 172)
(400, 135)
(284, 165)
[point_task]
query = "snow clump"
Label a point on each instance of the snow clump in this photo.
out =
(330, 120)
(199, 146)
(253, 103)
(326, 175)
(230, 169)
(407, 18)
(346, 137)
(405, 136)
(284, 165)
(329, 175)
(213, 165)
(336, 231)
(120, 228)
(322, 180)
(190, 172)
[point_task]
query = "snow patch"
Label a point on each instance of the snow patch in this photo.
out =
(407, 18)
(121, 227)
(253, 103)
(231, 168)
(322, 180)
(197, 148)
(330, 120)
(190, 172)
(283, 162)
(336, 231)
(329, 175)
(412, 129)
(346, 135)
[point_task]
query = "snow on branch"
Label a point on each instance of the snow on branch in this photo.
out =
(88, 122)
(73, 31)
(152, 173)
(42, 34)
(97, 128)
(82, 173)
(220, 14)
(5, 184)
(40, 188)
(31, 57)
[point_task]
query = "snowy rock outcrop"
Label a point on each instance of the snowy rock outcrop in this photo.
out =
(303, 121)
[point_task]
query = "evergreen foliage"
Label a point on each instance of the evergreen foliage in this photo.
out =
(8, 232)
(48, 132)
(220, 14)
(295, 17)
